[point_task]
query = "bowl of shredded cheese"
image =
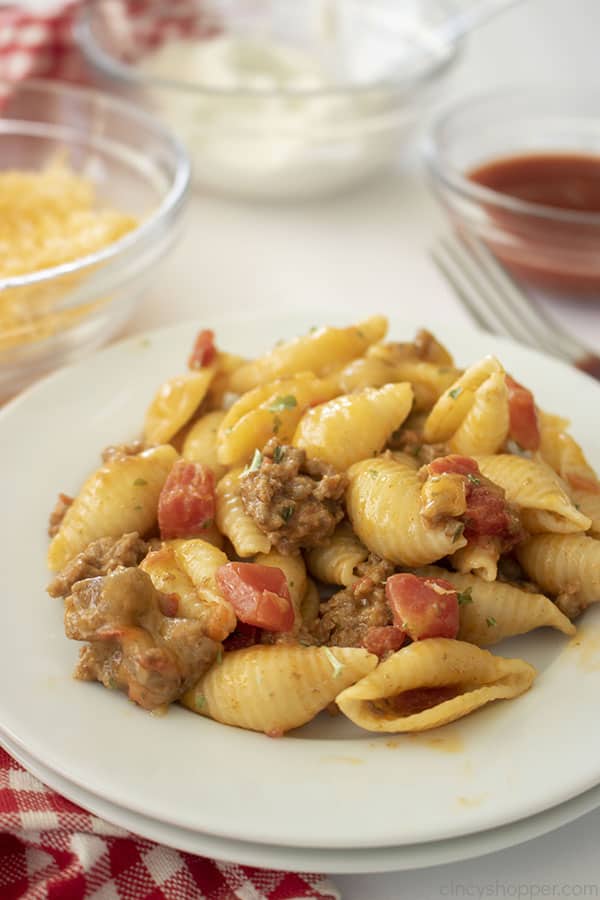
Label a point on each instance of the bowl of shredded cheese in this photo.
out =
(91, 195)
(278, 99)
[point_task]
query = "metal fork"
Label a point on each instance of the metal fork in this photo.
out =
(496, 303)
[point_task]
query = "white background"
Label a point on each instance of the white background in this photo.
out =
(369, 249)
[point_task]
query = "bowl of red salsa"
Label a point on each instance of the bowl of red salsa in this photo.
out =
(519, 169)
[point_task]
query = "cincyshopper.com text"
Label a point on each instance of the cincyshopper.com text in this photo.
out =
(518, 890)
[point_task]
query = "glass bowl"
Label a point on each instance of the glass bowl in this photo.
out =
(551, 249)
(58, 314)
(322, 94)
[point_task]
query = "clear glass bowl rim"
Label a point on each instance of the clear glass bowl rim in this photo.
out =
(456, 182)
(109, 65)
(150, 226)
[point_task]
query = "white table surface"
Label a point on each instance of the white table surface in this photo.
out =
(369, 250)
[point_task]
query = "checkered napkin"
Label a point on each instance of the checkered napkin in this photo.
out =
(51, 849)
(41, 44)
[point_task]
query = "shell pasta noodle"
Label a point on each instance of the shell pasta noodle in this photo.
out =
(431, 683)
(341, 524)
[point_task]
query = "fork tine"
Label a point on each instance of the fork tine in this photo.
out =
(495, 290)
(532, 315)
(461, 287)
(482, 293)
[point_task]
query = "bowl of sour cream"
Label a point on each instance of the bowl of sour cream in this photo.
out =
(277, 99)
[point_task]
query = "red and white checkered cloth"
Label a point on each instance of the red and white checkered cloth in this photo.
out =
(51, 849)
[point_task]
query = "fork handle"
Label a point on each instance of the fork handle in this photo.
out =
(590, 364)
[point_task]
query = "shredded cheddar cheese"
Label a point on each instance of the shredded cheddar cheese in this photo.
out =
(47, 218)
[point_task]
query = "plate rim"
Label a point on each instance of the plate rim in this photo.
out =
(186, 327)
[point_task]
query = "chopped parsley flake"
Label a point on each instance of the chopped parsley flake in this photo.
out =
(219, 656)
(140, 482)
(286, 513)
(255, 463)
(455, 393)
(373, 473)
(277, 423)
(361, 334)
(138, 507)
(207, 523)
(312, 329)
(278, 454)
(416, 449)
(336, 664)
(287, 402)
(200, 701)
(465, 597)
(459, 530)
(473, 479)
(490, 621)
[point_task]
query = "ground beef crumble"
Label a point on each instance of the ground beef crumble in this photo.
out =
(410, 441)
(295, 501)
(99, 558)
(347, 616)
(58, 513)
(133, 646)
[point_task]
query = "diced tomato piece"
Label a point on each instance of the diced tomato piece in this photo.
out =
(186, 505)
(423, 607)
(259, 594)
(204, 351)
(487, 513)
(524, 428)
(243, 636)
(382, 639)
(453, 464)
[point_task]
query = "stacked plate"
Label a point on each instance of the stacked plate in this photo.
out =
(327, 797)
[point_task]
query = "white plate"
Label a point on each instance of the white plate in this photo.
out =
(327, 785)
(308, 859)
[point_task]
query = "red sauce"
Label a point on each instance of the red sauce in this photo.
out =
(556, 254)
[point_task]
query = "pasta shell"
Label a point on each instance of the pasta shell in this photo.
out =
(274, 408)
(453, 406)
(334, 561)
(200, 443)
(537, 490)
(119, 497)
(294, 569)
(484, 429)
(233, 520)
(499, 610)
(480, 559)
(276, 688)
(383, 501)
(175, 403)
(374, 370)
(563, 453)
(467, 676)
(355, 426)
(564, 564)
(309, 608)
(321, 350)
(185, 569)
